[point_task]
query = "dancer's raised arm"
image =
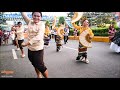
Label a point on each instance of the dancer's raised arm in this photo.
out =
(76, 17)
(25, 17)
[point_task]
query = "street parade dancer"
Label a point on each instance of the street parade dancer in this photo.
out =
(60, 33)
(35, 43)
(85, 37)
(47, 35)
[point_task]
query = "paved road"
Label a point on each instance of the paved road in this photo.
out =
(104, 63)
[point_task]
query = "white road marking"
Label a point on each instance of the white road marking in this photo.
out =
(71, 48)
(14, 54)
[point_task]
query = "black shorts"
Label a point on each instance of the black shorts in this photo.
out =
(19, 43)
(36, 58)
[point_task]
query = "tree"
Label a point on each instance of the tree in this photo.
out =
(47, 23)
(61, 20)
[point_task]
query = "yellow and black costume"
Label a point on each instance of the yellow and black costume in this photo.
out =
(47, 36)
(82, 50)
(59, 37)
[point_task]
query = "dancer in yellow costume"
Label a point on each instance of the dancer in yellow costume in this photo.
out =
(60, 33)
(82, 49)
(47, 35)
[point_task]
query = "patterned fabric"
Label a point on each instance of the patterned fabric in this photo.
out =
(81, 48)
(58, 40)
(46, 40)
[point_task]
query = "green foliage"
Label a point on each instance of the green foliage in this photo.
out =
(78, 33)
(102, 31)
(102, 25)
(104, 34)
(47, 23)
(101, 34)
(77, 22)
(61, 20)
(58, 24)
(97, 31)
(71, 32)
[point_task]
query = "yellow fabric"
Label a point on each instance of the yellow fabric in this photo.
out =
(47, 30)
(61, 31)
(81, 29)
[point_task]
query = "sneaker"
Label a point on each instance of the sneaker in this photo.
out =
(23, 55)
(87, 61)
(60, 50)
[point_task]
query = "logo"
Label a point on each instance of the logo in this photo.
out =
(7, 72)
